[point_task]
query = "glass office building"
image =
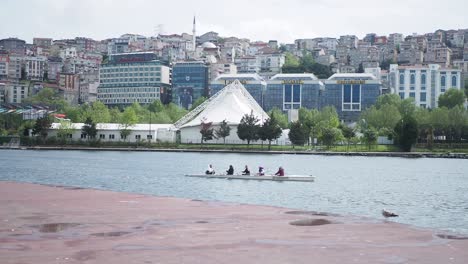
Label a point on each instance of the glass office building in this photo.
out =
(254, 84)
(189, 82)
(134, 77)
(350, 94)
(292, 91)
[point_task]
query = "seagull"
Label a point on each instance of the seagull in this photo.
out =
(388, 214)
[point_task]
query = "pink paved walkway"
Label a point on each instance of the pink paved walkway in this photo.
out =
(42, 224)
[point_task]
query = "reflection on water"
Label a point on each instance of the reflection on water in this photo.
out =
(424, 192)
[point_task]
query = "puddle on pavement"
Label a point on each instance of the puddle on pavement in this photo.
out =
(310, 213)
(33, 217)
(14, 247)
(111, 234)
(73, 188)
(310, 222)
(55, 227)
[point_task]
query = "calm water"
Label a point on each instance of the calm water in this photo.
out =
(425, 192)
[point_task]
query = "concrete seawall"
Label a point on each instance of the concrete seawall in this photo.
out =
(57, 224)
(326, 153)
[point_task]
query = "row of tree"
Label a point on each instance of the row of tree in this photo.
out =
(449, 122)
(249, 129)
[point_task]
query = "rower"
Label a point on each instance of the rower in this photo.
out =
(246, 171)
(210, 170)
(261, 171)
(230, 171)
(280, 172)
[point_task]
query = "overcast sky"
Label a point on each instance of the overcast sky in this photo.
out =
(283, 20)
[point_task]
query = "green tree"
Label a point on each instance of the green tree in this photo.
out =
(156, 106)
(42, 126)
(330, 135)
(305, 64)
(451, 98)
(348, 133)
(115, 115)
(89, 129)
(370, 137)
(223, 131)
(458, 119)
(128, 119)
(466, 89)
(45, 96)
(439, 120)
(270, 130)
(406, 132)
(407, 107)
(310, 119)
(175, 112)
(291, 60)
(206, 131)
(280, 117)
(388, 99)
(248, 128)
(385, 117)
(64, 130)
(97, 111)
(298, 134)
(328, 117)
(198, 102)
(425, 127)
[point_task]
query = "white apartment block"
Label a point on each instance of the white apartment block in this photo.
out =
(35, 67)
(16, 92)
(423, 83)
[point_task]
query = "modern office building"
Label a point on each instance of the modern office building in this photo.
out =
(189, 82)
(423, 83)
(254, 84)
(350, 94)
(293, 91)
(134, 77)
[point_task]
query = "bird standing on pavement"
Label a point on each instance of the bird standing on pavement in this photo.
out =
(388, 214)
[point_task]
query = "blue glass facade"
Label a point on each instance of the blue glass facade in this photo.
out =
(350, 98)
(350, 95)
(189, 82)
(253, 83)
(292, 91)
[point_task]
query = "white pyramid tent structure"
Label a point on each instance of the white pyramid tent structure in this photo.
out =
(230, 104)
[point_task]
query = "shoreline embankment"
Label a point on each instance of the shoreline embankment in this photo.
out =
(447, 155)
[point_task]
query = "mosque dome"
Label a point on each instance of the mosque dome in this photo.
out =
(208, 45)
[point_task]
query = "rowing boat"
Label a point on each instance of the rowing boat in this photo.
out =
(299, 178)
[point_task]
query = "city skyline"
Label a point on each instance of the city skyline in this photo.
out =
(280, 20)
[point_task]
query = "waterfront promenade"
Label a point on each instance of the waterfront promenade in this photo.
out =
(47, 224)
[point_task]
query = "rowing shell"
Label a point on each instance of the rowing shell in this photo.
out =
(299, 178)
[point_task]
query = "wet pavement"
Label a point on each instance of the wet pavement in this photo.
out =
(47, 224)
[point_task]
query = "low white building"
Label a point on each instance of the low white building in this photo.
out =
(108, 132)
